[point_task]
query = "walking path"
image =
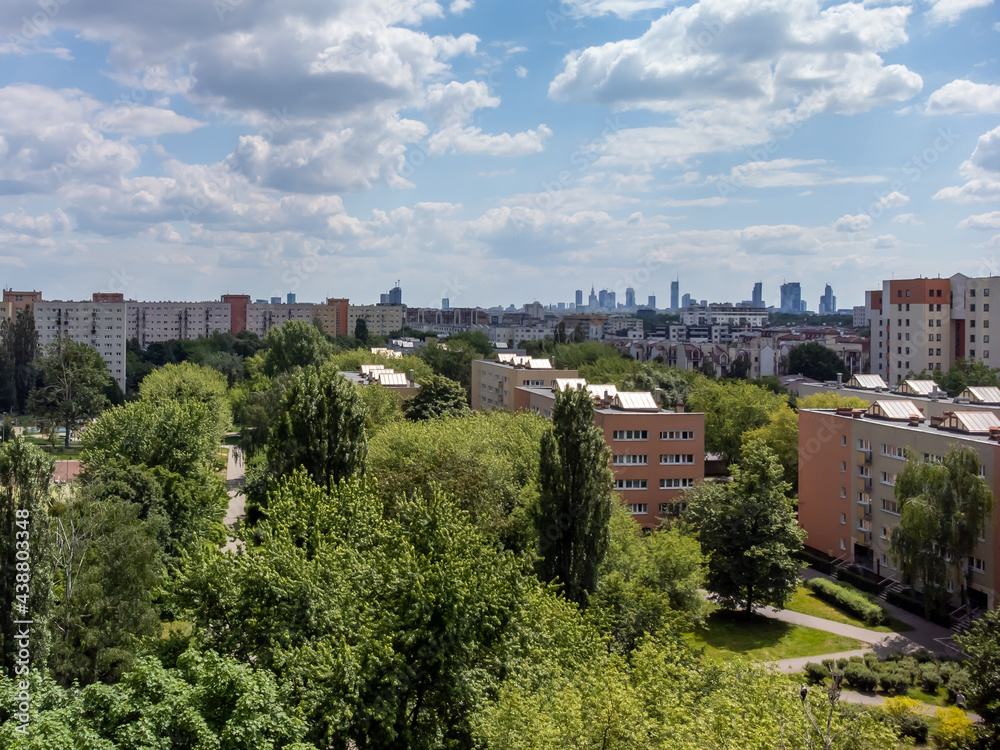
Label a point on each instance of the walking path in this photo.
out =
(235, 479)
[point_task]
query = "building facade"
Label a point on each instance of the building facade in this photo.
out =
(382, 320)
(495, 383)
(100, 325)
(150, 322)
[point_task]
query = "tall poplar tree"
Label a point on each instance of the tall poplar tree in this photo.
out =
(575, 498)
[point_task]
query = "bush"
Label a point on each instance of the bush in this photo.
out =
(816, 673)
(958, 683)
(955, 730)
(895, 680)
(842, 664)
(901, 714)
(858, 581)
(848, 601)
(930, 677)
(860, 677)
(946, 670)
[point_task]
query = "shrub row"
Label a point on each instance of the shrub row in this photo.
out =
(858, 581)
(847, 600)
(915, 606)
(894, 676)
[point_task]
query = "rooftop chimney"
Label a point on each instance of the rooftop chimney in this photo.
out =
(679, 407)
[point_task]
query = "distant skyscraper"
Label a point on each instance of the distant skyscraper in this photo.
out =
(602, 299)
(686, 301)
(445, 303)
(791, 297)
(610, 300)
(275, 300)
(827, 303)
(675, 294)
(579, 298)
(290, 298)
(758, 295)
(396, 295)
(652, 301)
(592, 301)
(630, 297)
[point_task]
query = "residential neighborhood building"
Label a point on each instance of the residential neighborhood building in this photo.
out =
(849, 462)
(333, 317)
(382, 320)
(101, 325)
(495, 383)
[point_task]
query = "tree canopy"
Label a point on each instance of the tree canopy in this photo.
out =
(816, 361)
(438, 396)
(74, 379)
(732, 408)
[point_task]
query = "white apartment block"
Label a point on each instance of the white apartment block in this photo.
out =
(162, 321)
(101, 325)
(262, 317)
(730, 315)
(381, 320)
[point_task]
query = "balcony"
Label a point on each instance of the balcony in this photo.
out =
(865, 457)
(864, 512)
(864, 538)
(865, 485)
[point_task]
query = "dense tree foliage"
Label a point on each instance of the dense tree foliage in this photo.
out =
(831, 400)
(732, 408)
(780, 434)
(748, 531)
(982, 645)
(438, 397)
(294, 344)
(18, 350)
(453, 358)
(486, 462)
(944, 509)
(187, 383)
(321, 427)
(25, 546)
(73, 383)
(816, 361)
(575, 497)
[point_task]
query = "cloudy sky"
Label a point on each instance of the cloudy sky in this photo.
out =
(495, 152)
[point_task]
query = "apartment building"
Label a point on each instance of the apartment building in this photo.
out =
(332, 317)
(495, 383)
(655, 455)
(849, 460)
(728, 315)
(20, 300)
(101, 325)
(382, 320)
(149, 322)
(263, 316)
(926, 324)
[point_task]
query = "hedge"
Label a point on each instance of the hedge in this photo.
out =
(858, 581)
(849, 601)
(861, 677)
(916, 607)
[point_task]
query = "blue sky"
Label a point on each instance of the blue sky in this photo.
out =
(495, 153)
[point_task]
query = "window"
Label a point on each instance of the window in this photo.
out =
(630, 484)
(630, 460)
(843, 544)
(637, 508)
(972, 307)
(893, 451)
(888, 478)
(885, 560)
(843, 439)
(986, 307)
(630, 435)
(977, 565)
(885, 533)
(843, 492)
(972, 338)
(972, 324)
(676, 484)
(890, 506)
(986, 339)
(677, 435)
(677, 458)
(843, 466)
(972, 292)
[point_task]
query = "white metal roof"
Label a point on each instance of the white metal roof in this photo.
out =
(641, 401)
(979, 394)
(972, 421)
(391, 378)
(918, 387)
(507, 357)
(369, 369)
(867, 381)
(602, 391)
(539, 364)
(895, 409)
(575, 384)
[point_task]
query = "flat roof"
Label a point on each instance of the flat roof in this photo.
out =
(924, 427)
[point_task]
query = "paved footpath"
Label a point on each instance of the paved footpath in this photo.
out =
(235, 479)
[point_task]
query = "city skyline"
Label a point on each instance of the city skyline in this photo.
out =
(495, 154)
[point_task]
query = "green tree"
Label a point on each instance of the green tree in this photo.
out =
(438, 396)
(781, 435)
(981, 643)
(381, 406)
(108, 568)
(25, 544)
(748, 531)
(187, 382)
(575, 497)
(361, 330)
(963, 374)
(294, 344)
(18, 352)
(831, 400)
(73, 381)
(816, 361)
(732, 408)
(944, 509)
(229, 364)
(453, 359)
(321, 427)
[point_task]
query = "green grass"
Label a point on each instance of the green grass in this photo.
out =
(807, 603)
(728, 635)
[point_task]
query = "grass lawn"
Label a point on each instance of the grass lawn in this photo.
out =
(806, 602)
(728, 635)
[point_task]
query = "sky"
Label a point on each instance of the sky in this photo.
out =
(495, 152)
